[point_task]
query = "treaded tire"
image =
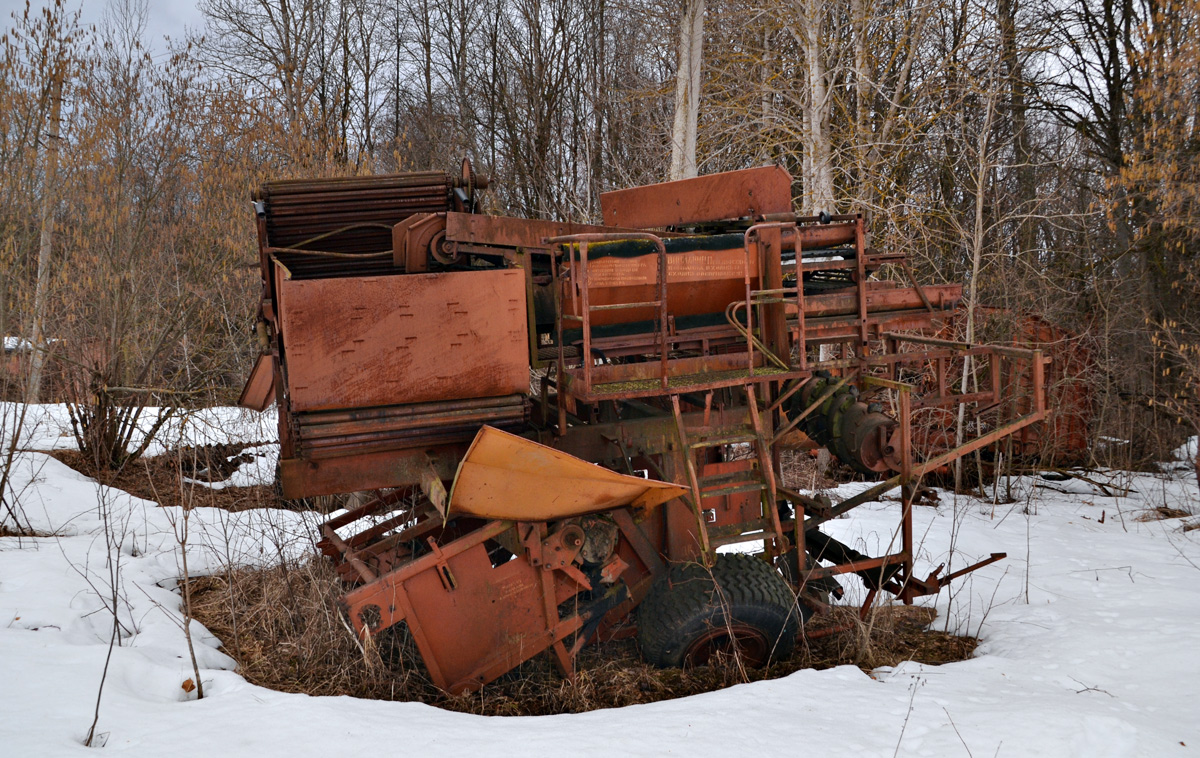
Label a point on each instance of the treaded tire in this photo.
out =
(743, 604)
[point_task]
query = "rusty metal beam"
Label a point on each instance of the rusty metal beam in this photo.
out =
(752, 192)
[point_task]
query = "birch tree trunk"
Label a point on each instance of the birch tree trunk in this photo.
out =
(818, 160)
(49, 196)
(858, 17)
(983, 171)
(687, 91)
(766, 150)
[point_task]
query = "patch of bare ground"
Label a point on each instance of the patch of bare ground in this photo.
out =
(1162, 513)
(284, 629)
(6, 531)
(165, 478)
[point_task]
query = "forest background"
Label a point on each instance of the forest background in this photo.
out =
(1044, 152)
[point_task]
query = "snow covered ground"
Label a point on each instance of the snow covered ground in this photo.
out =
(1090, 637)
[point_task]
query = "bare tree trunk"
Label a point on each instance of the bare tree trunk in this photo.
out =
(1026, 238)
(49, 196)
(687, 91)
(766, 150)
(397, 40)
(983, 168)
(818, 160)
(182, 537)
(858, 17)
(599, 76)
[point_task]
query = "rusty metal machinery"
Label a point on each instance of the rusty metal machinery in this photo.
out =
(356, 215)
(473, 370)
(858, 433)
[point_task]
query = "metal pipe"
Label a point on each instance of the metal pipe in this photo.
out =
(1010, 352)
(367, 574)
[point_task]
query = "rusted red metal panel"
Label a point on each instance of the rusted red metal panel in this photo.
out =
(736, 507)
(441, 595)
(369, 341)
(259, 391)
(458, 635)
(733, 194)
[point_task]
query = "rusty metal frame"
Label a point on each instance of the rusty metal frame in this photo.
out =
(545, 577)
(673, 393)
(583, 287)
(861, 367)
(907, 586)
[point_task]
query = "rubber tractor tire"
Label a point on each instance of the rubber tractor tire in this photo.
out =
(741, 606)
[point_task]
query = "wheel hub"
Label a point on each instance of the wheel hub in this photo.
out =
(740, 640)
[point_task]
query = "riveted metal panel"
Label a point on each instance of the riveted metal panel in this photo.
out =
(370, 341)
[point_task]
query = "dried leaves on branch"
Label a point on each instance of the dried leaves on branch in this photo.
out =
(1044, 153)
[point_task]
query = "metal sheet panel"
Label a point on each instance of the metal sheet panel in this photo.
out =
(733, 508)
(732, 194)
(459, 633)
(300, 477)
(504, 476)
(369, 341)
(259, 391)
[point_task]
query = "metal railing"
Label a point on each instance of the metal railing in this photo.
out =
(583, 307)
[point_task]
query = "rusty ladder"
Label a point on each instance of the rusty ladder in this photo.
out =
(768, 528)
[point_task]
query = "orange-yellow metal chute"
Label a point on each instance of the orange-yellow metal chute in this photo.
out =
(504, 476)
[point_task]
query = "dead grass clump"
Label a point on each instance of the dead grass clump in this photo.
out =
(802, 471)
(162, 478)
(1162, 513)
(284, 628)
(889, 635)
(7, 531)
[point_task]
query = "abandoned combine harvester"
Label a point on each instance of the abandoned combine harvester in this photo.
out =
(473, 370)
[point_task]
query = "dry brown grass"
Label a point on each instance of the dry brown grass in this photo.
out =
(283, 627)
(1162, 513)
(7, 531)
(800, 471)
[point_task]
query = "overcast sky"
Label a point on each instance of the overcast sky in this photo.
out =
(166, 18)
